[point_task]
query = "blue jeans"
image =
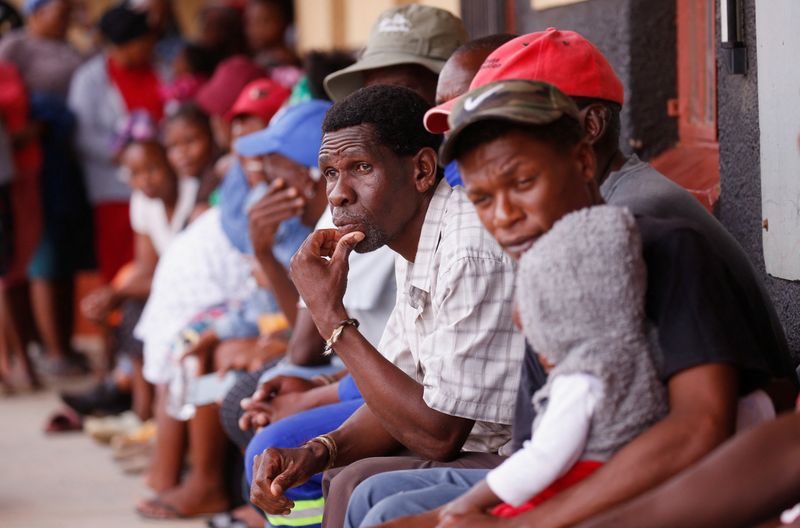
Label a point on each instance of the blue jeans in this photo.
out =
(294, 431)
(387, 496)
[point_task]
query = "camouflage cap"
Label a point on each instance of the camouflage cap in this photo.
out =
(517, 101)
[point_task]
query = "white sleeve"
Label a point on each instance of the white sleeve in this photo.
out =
(556, 444)
(138, 213)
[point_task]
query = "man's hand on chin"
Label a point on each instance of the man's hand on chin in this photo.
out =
(319, 271)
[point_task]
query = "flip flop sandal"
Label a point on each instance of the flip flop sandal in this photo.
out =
(131, 451)
(104, 429)
(135, 465)
(145, 434)
(62, 421)
(148, 510)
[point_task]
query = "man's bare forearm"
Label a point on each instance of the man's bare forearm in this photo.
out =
(362, 436)
(745, 482)
(397, 401)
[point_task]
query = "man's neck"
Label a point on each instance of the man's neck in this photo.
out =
(406, 243)
(608, 163)
(39, 33)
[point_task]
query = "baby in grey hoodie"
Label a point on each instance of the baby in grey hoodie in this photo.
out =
(580, 296)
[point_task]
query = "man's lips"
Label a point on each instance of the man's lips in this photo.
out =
(350, 227)
(518, 246)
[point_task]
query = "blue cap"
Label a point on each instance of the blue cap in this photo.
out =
(33, 5)
(452, 174)
(294, 132)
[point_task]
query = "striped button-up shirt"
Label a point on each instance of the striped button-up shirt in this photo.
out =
(451, 328)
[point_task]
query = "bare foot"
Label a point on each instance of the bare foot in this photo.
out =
(186, 500)
(157, 483)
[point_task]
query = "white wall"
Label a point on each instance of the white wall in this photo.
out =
(778, 37)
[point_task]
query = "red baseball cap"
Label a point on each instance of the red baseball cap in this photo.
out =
(217, 96)
(564, 59)
(261, 98)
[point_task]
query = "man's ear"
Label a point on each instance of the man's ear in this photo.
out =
(425, 169)
(595, 121)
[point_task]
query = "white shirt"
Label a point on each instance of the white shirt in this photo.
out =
(556, 444)
(200, 269)
(451, 329)
(149, 216)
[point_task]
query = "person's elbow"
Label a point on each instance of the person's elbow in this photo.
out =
(440, 451)
(442, 443)
(703, 406)
(704, 432)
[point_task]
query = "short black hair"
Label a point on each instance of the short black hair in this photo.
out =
(9, 18)
(286, 7)
(394, 112)
(229, 22)
(191, 113)
(610, 141)
(561, 134)
(487, 43)
(320, 64)
(201, 59)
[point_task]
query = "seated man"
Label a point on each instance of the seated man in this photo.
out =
(441, 384)
(715, 337)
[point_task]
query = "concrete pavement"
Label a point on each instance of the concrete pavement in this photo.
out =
(62, 481)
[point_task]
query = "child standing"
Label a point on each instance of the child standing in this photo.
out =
(581, 291)
(160, 206)
(159, 209)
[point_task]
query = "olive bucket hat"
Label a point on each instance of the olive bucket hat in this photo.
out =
(411, 34)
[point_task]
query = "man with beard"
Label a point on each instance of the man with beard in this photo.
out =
(440, 387)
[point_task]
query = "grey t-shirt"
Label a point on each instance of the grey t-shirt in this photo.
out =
(46, 65)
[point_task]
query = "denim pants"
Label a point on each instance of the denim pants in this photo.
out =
(388, 496)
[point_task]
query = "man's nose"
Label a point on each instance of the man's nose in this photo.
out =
(341, 193)
(506, 213)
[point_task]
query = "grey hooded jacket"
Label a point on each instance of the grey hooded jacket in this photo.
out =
(580, 295)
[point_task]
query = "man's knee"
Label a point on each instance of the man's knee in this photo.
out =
(407, 503)
(385, 510)
(381, 498)
(370, 492)
(342, 481)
